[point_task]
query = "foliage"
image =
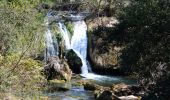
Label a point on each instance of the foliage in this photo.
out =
(25, 77)
(70, 28)
(20, 29)
(147, 23)
(55, 30)
(21, 37)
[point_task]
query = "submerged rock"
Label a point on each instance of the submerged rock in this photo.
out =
(57, 69)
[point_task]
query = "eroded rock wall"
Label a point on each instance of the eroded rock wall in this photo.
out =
(104, 45)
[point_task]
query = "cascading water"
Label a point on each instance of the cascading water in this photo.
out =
(65, 35)
(51, 44)
(79, 45)
(78, 41)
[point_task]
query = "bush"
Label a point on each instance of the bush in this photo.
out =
(26, 76)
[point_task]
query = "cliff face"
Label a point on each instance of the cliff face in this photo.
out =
(104, 48)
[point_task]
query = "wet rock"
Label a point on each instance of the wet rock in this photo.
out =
(125, 92)
(54, 86)
(121, 89)
(74, 61)
(90, 86)
(107, 95)
(57, 69)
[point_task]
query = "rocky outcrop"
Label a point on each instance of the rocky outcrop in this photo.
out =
(115, 92)
(119, 92)
(57, 69)
(104, 46)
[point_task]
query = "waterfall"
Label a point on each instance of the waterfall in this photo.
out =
(51, 44)
(78, 41)
(65, 35)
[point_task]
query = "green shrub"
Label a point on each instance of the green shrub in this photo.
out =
(24, 76)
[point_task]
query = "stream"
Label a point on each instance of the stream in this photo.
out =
(78, 93)
(72, 90)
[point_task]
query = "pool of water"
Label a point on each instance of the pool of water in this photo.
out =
(109, 80)
(78, 92)
(74, 92)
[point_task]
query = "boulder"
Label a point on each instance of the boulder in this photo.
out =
(57, 69)
(90, 86)
(74, 61)
(115, 92)
(121, 89)
(107, 95)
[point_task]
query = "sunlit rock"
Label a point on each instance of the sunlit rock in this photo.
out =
(57, 69)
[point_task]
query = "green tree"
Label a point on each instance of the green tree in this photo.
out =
(147, 23)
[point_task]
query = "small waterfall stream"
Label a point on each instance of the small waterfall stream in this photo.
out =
(51, 45)
(78, 41)
(65, 34)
